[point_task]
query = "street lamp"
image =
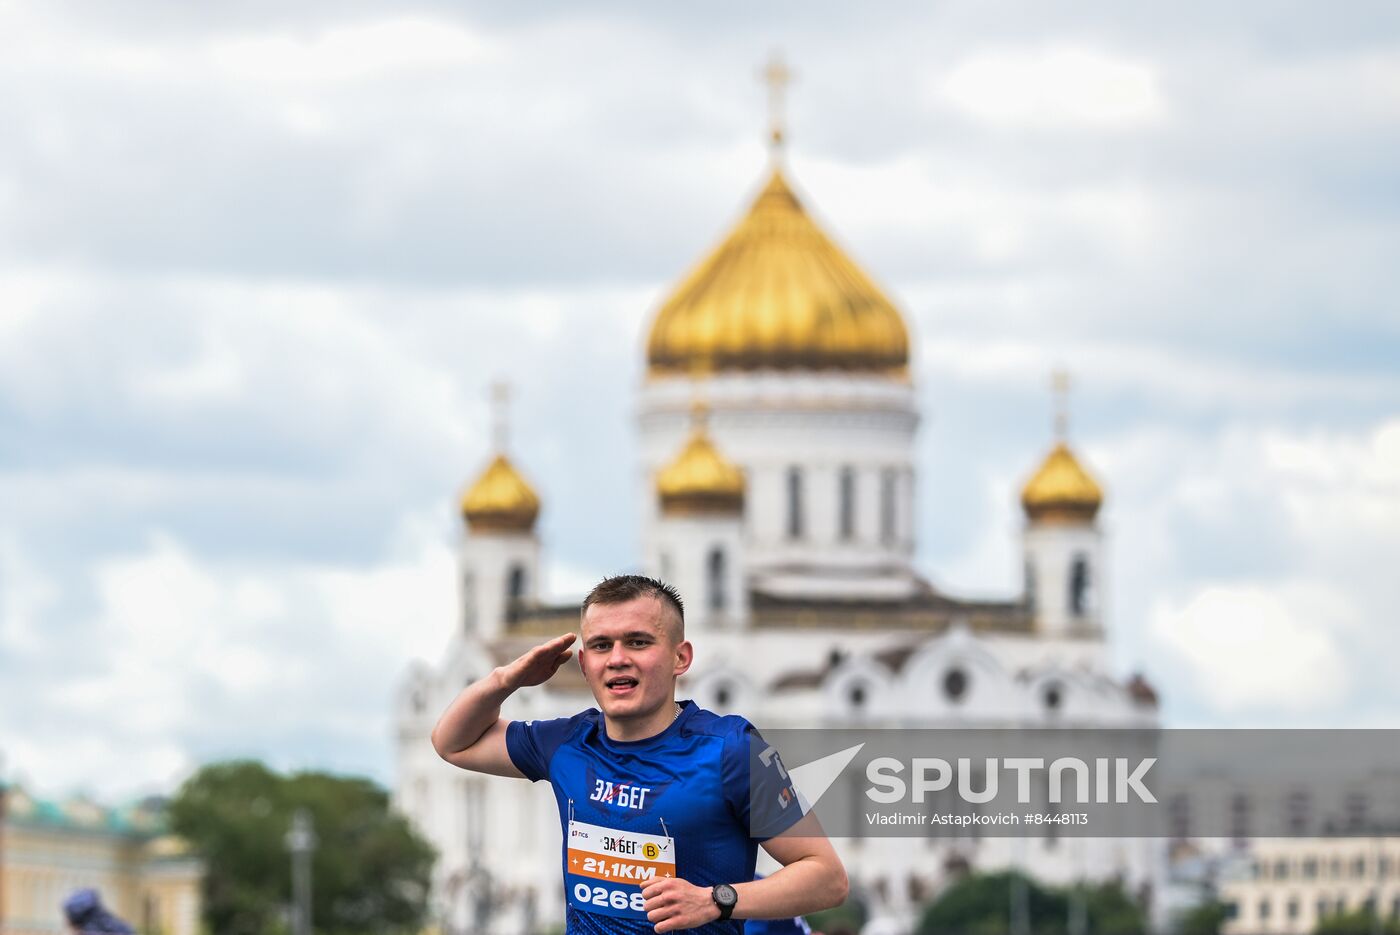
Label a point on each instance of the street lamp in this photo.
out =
(301, 841)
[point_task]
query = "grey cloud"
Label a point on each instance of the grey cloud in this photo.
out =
(369, 278)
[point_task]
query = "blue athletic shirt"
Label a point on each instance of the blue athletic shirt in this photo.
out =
(691, 783)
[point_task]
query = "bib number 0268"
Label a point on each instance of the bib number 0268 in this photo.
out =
(607, 898)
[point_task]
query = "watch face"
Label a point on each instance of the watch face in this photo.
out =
(726, 895)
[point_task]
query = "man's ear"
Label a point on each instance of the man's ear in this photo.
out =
(685, 655)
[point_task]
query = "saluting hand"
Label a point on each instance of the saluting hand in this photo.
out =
(674, 904)
(539, 664)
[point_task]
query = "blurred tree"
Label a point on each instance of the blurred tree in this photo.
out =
(980, 904)
(847, 917)
(370, 869)
(1205, 919)
(1360, 922)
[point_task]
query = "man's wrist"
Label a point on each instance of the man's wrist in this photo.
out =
(725, 898)
(501, 682)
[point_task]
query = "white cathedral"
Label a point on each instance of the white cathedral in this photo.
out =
(777, 420)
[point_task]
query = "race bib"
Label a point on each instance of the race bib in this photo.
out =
(605, 868)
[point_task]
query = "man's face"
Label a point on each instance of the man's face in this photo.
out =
(631, 658)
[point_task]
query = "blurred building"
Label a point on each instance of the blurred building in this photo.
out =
(1289, 885)
(49, 849)
(779, 491)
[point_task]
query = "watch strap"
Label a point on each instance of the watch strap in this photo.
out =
(726, 907)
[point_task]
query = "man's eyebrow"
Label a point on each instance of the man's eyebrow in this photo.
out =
(631, 635)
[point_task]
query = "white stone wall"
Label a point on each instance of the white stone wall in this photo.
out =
(770, 423)
(1050, 550)
(678, 551)
(486, 560)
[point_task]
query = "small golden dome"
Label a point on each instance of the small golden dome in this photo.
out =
(777, 294)
(1061, 491)
(700, 479)
(500, 500)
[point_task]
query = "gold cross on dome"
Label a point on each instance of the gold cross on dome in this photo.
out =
(1059, 386)
(777, 76)
(500, 426)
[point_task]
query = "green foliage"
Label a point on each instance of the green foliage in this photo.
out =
(1359, 922)
(847, 917)
(370, 870)
(980, 904)
(1205, 919)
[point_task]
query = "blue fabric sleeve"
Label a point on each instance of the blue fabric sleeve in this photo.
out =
(531, 744)
(756, 785)
(797, 926)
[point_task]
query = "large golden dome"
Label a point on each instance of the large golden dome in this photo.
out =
(1061, 490)
(500, 500)
(777, 294)
(700, 479)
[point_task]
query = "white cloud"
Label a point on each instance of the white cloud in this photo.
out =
(1252, 648)
(352, 52)
(389, 46)
(1055, 86)
(26, 599)
(994, 215)
(310, 156)
(1258, 565)
(983, 357)
(990, 566)
(182, 655)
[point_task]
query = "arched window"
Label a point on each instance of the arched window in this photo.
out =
(1030, 585)
(515, 584)
(714, 572)
(888, 480)
(1079, 585)
(847, 502)
(794, 503)
(955, 682)
(515, 592)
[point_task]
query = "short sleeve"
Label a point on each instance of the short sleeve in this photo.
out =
(756, 785)
(531, 744)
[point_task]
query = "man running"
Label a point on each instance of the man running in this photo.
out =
(654, 795)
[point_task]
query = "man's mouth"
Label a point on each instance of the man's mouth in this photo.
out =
(621, 684)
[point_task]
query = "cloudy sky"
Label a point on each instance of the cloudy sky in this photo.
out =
(259, 262)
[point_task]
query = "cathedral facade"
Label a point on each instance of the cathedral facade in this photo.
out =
(776, 478)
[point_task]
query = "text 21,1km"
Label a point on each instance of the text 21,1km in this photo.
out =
(616, 870)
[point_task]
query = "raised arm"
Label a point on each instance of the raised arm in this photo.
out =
(471, 733)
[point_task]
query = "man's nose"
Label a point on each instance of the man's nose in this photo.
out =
(618, 656)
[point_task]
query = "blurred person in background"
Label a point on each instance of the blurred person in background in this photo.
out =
(86, 915)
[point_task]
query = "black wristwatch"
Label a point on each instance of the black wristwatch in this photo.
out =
(726, 897)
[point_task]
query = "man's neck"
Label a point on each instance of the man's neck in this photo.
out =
(627, 729)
